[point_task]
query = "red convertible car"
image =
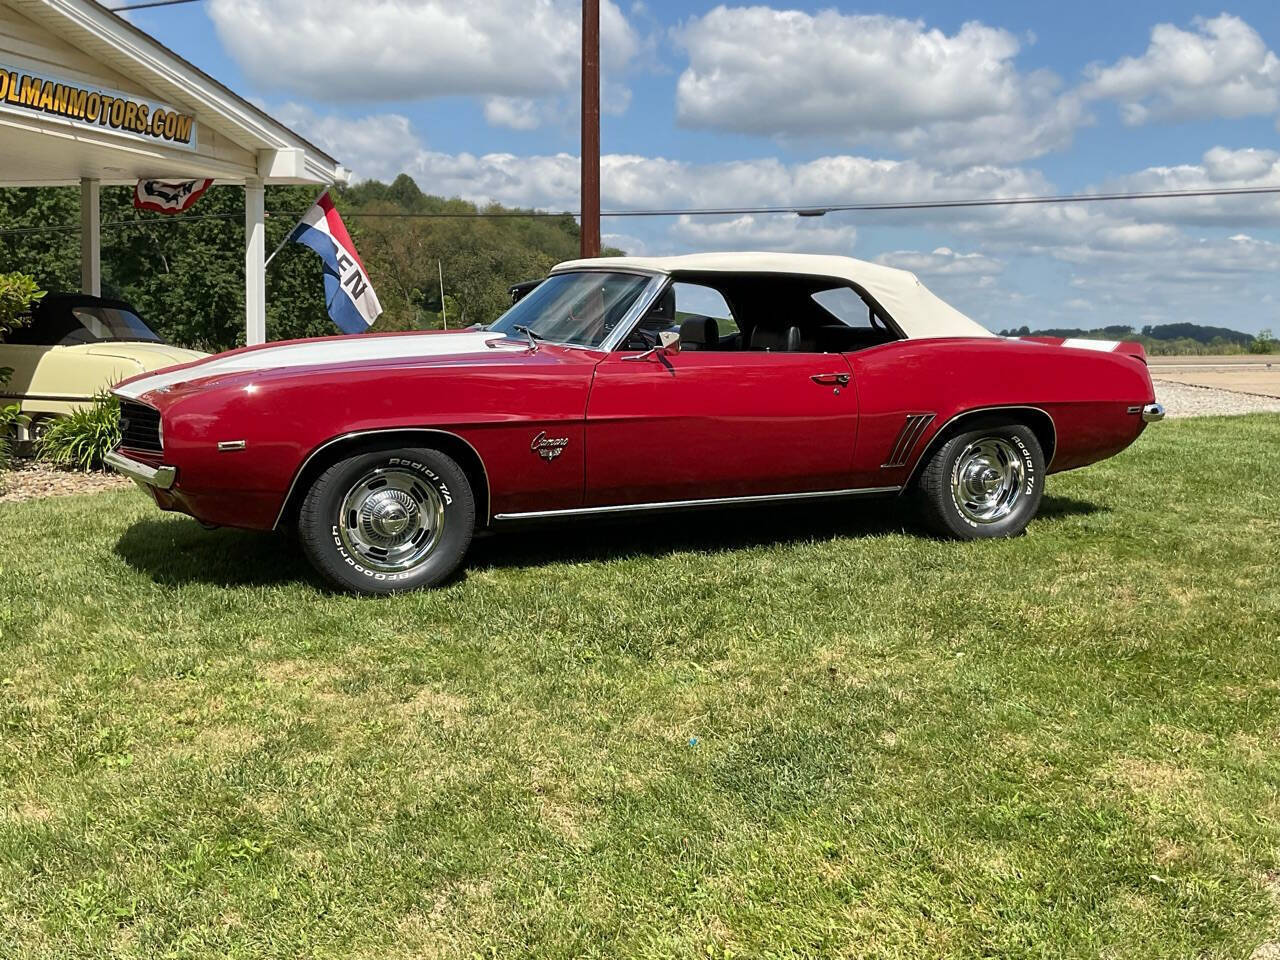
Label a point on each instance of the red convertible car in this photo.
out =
(625, 385)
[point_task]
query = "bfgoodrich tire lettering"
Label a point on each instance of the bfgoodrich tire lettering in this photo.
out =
(985, 482)
(388, 521)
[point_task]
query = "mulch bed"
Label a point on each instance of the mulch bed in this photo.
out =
(29, 480)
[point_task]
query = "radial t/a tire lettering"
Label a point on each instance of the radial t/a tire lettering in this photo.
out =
(388, 521)
(983, 483)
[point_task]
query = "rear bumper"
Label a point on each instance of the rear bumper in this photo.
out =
(143, 474)
(1150, 413)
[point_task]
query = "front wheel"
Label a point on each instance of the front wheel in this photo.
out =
(388, 521)
(983, 483)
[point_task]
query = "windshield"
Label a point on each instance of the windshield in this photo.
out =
(57, 323)
(574, 308)
(107, 323)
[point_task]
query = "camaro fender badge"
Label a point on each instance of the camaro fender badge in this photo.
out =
(548, 448)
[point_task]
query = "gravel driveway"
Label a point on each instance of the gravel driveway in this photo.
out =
(1181, 400)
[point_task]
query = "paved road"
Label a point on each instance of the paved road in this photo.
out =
(1234, 360)
(1242, 373)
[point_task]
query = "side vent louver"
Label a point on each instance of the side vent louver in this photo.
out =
(911, 430)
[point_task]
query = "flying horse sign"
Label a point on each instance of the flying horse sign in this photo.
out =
(28, 89)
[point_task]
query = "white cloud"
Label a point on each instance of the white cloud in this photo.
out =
(383, 145)
(1219, 168)
(1184, 259)
(516, 113)
(870, 79)
(389, 50)
(773, 232)
(1220, 68)
(943, 262)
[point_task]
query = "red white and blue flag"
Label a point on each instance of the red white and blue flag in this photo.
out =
(168, 196)
(353, 305)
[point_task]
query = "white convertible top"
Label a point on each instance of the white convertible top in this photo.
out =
(909, 302)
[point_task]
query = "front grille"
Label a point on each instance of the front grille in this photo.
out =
(140, 427)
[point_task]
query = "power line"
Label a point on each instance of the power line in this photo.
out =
(815, 210)
(818, 210)
(56, 228)
(150, 3)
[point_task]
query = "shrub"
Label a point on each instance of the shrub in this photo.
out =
(83, 439)
(1264, 343)
(17, 293)
(11, 417)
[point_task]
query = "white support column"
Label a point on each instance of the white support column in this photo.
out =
(255, 272)
(90, 238)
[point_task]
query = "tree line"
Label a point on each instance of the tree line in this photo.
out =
(1164, 339)
(185, 275)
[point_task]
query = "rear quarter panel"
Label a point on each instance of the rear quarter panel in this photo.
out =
(1086, 393)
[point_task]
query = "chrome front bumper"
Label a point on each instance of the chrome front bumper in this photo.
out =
(143, 474)
(1153, 412)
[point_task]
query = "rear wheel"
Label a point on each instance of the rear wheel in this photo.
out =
(388, 521)
(985, 482)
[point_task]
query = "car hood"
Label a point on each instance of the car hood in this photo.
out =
(365, 350)
(148, 356)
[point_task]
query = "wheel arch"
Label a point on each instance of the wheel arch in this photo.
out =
(366, 441)
(1034, 418)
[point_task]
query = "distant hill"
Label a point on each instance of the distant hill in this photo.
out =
(1158, 339)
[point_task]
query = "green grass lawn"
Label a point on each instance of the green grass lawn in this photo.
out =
(760, 733)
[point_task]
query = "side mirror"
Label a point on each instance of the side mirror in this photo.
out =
(668, 346)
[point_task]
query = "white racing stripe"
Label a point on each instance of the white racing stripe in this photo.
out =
(321, 353)
(1103, 346)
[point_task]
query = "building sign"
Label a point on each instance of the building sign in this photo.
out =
(29, 90)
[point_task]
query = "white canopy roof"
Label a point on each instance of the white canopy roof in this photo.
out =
(909, 302)
(80, 47)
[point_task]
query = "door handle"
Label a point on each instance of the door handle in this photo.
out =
(831, 379)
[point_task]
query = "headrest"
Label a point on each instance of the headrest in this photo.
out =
(787, 340)
(699, 331)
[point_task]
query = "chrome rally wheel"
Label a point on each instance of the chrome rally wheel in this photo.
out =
(392, 519)
(987, 479)
(388, 521)
(982, 482)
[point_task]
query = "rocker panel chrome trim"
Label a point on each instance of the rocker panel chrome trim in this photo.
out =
(690, 504)
(372, 433)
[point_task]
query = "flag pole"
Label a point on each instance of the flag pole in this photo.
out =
(280, 246)
(443, 316)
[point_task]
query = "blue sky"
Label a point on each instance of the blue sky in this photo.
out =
(721, 105)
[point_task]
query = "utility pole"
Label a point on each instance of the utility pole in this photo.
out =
(590, 232)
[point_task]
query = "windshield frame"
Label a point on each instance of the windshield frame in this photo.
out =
(656, 282)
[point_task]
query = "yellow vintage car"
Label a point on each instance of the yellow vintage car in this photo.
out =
(75, 346)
